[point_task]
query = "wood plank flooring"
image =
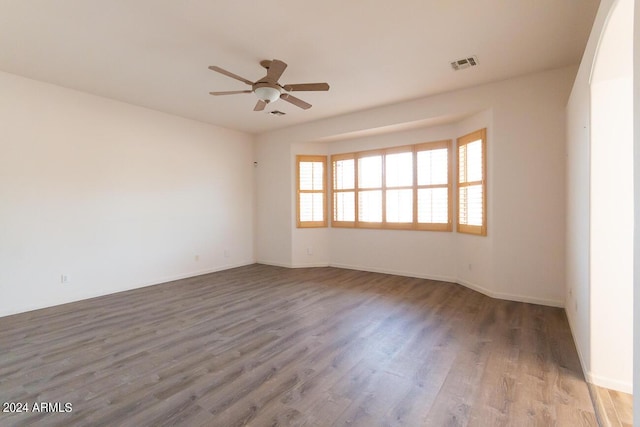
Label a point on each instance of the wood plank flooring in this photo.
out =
(612, 408)
(269, 346)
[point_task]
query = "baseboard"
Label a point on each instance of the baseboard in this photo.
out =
(194, 274)
(575, 342)
(600, 381)
(510, 297)
(470, 285)
(294, 265)
(597, 380)
(138, 286)
(274, 263)
(465, 283)
(394, 272)
(310, 265)
(609, 383)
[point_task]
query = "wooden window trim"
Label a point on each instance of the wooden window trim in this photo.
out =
(479, 230)
(312, 224)
(335, 158)
(414, 225)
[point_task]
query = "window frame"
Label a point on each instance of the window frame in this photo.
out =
(436, 145)
(334, 191)
(304, 158)
(384, 188)
(478, 230)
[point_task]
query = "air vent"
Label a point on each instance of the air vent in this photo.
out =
(463, 63)
(277, 113)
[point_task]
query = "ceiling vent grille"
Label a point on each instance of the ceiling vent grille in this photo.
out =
(463, 63)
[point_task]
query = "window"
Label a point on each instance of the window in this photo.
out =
(472, 183)
(311, 173)
(433, 193)
(399, 188)
(344, 190)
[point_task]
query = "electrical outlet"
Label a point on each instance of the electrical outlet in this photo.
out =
(196, 258)
(64, 279)
(226, 253)
(309, 250)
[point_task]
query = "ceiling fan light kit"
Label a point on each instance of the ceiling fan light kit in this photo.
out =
(267, 89)
(267, 93)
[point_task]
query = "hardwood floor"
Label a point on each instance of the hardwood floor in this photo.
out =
(269, 346)
(613, 408)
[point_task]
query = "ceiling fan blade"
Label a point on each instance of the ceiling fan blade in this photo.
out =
(295, 101)
(275, 70)
(306, 87)
(230, 92)
(230, 74)
(260, 105)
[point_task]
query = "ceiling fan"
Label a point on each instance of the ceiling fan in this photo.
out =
(267, 89)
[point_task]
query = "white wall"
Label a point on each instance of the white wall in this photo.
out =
(411, 253)
(522, 258)
(113, 196)
(273, 241)
(313, 249)
(611, 266)
(474, 255)
(600, 182)
(578, 293)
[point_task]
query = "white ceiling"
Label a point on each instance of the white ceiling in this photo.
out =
(155, 53)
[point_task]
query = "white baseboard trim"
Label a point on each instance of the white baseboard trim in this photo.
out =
(394, 272)
(310, 265)
(158, 281)
(467, 284)
(575, 342)
(298, 265)
(194, 274)
(274, 263)
(510, 297)
(611, 384)
(589, 376)
(622, 386)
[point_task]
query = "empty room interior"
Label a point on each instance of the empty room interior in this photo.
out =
(319, 213)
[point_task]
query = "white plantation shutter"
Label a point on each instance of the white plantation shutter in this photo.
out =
(399, 186)
(344, 174)
(434, 185)
(471, 205)
(433, 205)
(370, 178)
(311, 175)
(344, 206)
(344, 190)
(472, 183)
(311, 191)
(433, 165)
(311, 207)
(399, 205)
(473, 165)
(399, 169)
(370, 172)
(370, 206)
